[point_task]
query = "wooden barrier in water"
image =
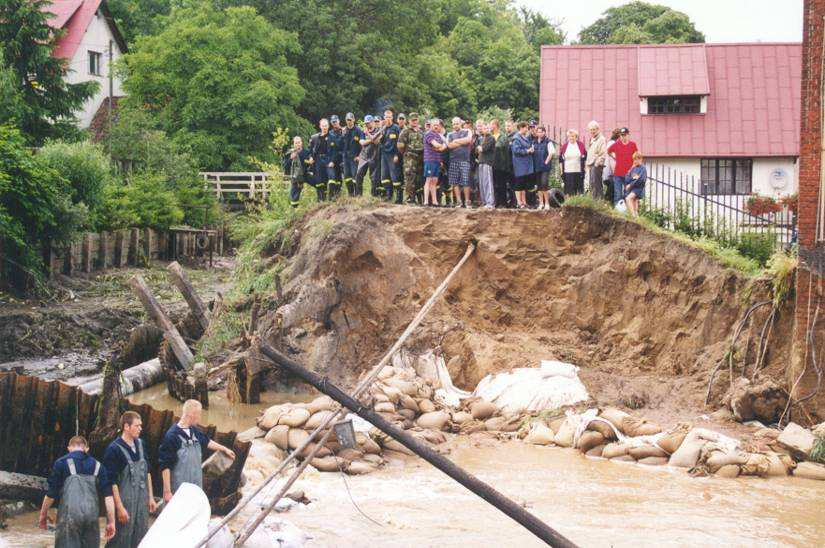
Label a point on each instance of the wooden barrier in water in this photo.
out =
(37, 419)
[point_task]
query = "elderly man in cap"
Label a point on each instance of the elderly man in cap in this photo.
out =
(350, 149)
(411, 145)
(368, 158)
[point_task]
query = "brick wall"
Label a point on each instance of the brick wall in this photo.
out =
(810, 305)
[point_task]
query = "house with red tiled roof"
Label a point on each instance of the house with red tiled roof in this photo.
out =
(726, 116)
(88, 33)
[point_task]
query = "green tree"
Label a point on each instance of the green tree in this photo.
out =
(139, 17)
(85, 167)
(26, 43)
(641, 23)
(539, 30)
(216, 82)
(12, 105)
(35, 207)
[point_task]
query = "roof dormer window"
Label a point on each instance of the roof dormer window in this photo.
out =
(678, 104)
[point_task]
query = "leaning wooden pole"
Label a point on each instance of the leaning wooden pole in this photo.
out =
(158, 315)
(181, 281)
(486, 492)
(360, 389)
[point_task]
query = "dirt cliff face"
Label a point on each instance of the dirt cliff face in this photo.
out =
(644, 316)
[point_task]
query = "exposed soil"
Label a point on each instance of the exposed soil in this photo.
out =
(646, 317)
(86, 315)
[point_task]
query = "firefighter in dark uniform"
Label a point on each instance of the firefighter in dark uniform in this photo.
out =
(336, 135)
(350, 149)
(322, 158)
(391, 159)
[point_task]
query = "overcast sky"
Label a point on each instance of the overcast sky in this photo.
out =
(720, 20)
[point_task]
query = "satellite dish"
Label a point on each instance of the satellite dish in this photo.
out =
(779, 179)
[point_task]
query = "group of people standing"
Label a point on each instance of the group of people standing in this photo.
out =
(474, 164)
(123, 481)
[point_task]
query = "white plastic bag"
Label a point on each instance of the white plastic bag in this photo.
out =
(551, 386)
(621, 207)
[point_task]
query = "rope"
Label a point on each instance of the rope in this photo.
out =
(360, 389)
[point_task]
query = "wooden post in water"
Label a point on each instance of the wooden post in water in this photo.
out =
(181, 281)
(158, 315)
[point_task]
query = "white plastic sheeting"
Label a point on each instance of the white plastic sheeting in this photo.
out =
(551, 386)
(183, 522)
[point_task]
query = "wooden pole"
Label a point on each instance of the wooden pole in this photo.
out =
(486, 492)
(156, 312)
(181, 281)
(360, 389)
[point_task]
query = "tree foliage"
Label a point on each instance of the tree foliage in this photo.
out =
(49, 103)
(216, 82)
(641, 23)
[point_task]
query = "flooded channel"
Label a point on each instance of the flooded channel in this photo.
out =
(592, 502)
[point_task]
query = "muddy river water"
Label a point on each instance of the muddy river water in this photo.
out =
(592, 502)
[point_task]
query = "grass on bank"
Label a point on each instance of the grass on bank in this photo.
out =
(778, 263)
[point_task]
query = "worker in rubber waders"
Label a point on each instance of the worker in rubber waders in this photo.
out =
(181, 451)
(76, 483)
(127, 467)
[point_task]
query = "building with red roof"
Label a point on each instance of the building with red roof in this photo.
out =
(724, 115)
(88, 33)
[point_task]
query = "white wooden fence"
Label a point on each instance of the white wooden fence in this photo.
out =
(235, 186)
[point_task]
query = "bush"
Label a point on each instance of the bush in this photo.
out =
(84, 165)
(759, 246)
(144, 202)
(657, 216)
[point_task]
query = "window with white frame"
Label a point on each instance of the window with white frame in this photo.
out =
(94, 63)
(727, 175)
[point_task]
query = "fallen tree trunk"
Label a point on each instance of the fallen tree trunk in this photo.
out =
(486, 492)
(156, 312)
(15, 486)
(132, 380)
(181, 281)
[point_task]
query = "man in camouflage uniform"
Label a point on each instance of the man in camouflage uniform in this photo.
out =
(411, 145)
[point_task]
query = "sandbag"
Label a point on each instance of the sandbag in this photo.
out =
(426, 406)
(384, 407)
(379, 397)
(613, 450)
(602, 428)
(776, 467)
(461, 417)
(296, 437)
(373, 459)
(728, 471)
(407, 402)
(395, 445)
(435, 420)
(756, 465)
(646, 451)
(252, 433)
(270, 417)
(589, 440)
(279, 436)
(358, 467)
(408, 414)
(596, 451)
(349, 455)
(623, 458)
(431, 436)
(404, 387)
(323, 451)
(315, 420)
(673, 438)
(566, 432)
(329, 464)
(386, 372)
(472, 426)
(366, 444)
(555, 424)
(633, 427)
(688, 453)
(615, 416)
(482, 410)
(810, 470)
(539, 434)
(653, 461)
(392, 393)
(321, 403)
(718, 459)
(294, 417)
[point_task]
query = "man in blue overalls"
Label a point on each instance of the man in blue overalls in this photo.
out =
(76, 482)
(351, 148)
(390, 159)
(127, 467)
(181, 451)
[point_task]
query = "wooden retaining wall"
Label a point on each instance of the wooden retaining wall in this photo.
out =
(37, 419)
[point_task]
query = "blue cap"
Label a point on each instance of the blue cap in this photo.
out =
(350, 116)
(334, 118)
(368, 118)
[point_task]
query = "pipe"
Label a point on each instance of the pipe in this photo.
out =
(132, 380)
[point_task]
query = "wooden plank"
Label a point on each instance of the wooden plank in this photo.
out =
(181, 281)
(103, 258)
(158, 315)
(147, 244)
(134, 251)
(86, 253)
